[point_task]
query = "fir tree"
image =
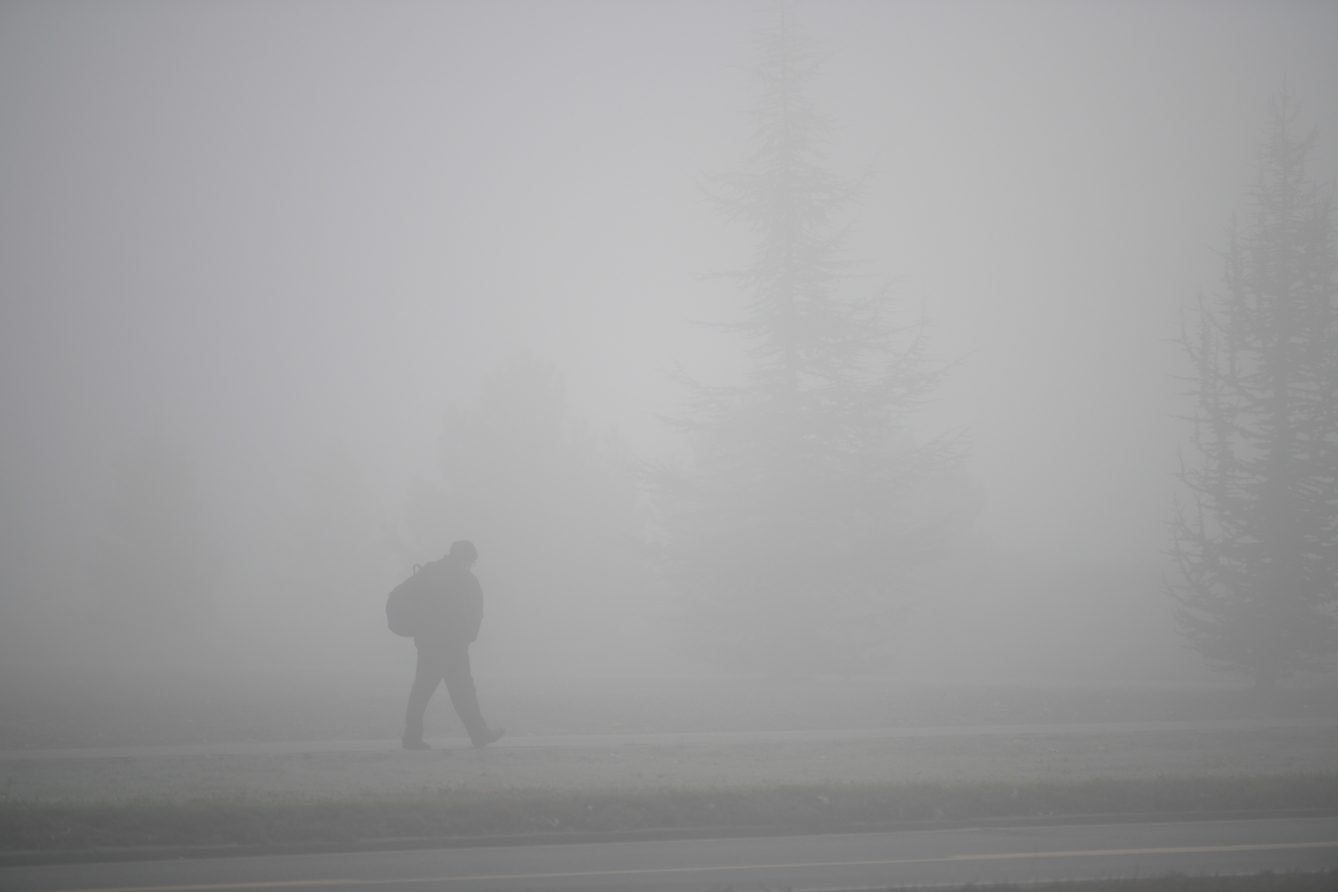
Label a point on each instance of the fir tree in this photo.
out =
(1257, 541)
(789, 542)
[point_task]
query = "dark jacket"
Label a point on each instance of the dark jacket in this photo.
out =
(453, 609)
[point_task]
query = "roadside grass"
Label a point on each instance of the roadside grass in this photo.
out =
(449, 814)
(1288, 881)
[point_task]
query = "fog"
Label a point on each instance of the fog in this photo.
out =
(367, 278)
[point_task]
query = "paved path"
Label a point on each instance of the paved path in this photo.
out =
(699, 738)
(837, 861)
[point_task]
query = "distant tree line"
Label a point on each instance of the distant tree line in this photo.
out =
(792, 538)
(156, 566)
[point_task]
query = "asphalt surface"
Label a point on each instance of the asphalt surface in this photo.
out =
(702, 738)
(842, 861)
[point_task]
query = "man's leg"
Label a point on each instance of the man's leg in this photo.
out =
(427, 676)
(460, 685)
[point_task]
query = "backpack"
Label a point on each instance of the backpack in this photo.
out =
(404, 605)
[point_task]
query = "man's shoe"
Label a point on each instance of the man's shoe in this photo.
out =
(418, 744)
(490, 737)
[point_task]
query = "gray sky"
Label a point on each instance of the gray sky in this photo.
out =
(273, 228)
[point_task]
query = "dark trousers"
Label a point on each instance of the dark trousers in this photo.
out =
(449, 663)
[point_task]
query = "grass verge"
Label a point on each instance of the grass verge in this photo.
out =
(453, 814)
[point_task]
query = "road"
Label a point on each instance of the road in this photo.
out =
(845, 861)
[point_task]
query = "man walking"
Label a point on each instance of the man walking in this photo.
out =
(447, 624)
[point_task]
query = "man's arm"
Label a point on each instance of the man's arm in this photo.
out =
(473, 607)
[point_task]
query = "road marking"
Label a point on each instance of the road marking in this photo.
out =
(995, 856)
(258, 884)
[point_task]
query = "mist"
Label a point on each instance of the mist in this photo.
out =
(334, 285)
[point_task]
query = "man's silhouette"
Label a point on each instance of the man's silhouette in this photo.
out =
(449, 622)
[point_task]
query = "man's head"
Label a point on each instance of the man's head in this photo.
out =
(464, 552)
